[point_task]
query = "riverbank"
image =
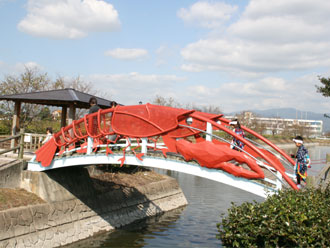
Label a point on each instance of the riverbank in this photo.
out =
(288, 143)
(82, 202)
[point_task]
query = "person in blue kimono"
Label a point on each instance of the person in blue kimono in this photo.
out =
(302, 160)
(237, 144)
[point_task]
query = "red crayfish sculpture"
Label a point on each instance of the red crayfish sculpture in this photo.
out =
(181, 130)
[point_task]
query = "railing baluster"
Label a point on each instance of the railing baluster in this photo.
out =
(128, 144)
(90, 143)
(209, 131)
(278, 180)
(144, 145)
(21, 145)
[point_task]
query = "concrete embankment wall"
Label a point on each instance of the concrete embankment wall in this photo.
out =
(75, 210)
(10, 174)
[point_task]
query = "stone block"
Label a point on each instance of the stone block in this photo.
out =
(20, 242)
(40, 244)
(8, 243)
(42, 235)
(48, 243)
(6, 230)
(40, 216)
(4, 243)
(50, 233)
(27, 240)
(20, 230)
(25, 216)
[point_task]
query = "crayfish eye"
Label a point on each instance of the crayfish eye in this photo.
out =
(189, 121)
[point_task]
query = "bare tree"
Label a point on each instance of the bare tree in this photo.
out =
(30, 80)
(208, 109)
(78, 84)
(170, 102)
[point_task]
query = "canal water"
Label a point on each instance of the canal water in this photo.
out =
(195, 224)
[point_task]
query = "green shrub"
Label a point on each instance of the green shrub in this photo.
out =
(5, 127)
(287, 219)
(38, 126)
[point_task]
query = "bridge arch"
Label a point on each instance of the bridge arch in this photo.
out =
(172, 162)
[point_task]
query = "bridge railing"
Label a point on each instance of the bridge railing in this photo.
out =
(19, 139)
(32, 141)
(121, 143)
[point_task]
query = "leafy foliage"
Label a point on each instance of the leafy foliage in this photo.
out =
(39, 126)
(287, 219)
(325, 88)
(5, 126)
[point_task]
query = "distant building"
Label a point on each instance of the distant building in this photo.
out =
(307, 128)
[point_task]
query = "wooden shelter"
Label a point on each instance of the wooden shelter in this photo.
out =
(65, 98)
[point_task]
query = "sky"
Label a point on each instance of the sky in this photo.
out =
(236, 55)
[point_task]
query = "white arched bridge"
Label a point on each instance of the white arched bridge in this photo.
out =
(186, 141)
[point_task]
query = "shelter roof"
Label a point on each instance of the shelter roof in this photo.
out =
(62, 97)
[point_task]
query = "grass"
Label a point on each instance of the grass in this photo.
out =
(11, 198)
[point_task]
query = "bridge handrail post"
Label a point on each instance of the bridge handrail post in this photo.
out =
(89, 145)
(278, 180)
(144, 144)
(209, 131)
(128, 144)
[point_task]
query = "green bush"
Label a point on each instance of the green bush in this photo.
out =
(5, 127)
(40, 126)
(287, 219)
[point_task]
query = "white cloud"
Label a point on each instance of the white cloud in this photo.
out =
(127, 54)
(207, 14)
(165, 54)
(270, 36)
(266, 93)
(18, 68)
(284, 21)
(224, 55)
(68, 19)
(134, 87)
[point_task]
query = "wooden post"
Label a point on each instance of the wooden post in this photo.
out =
(328, 158)
(21, 145)
(72, 113)
(15, 124)
(63, 117)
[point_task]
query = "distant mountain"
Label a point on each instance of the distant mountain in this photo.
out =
(291, 113)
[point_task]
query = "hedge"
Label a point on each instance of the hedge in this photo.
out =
(287, 219)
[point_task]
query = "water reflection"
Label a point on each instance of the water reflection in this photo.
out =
(192, 226)
(138, 234)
